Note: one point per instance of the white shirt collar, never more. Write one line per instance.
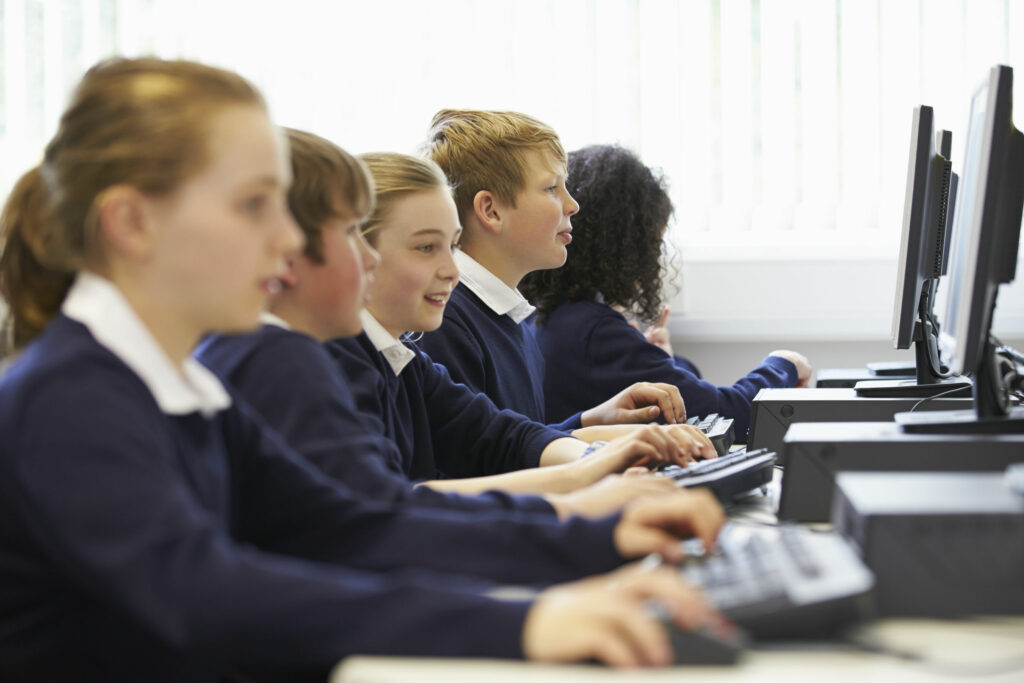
(268, 318)
(100, 306)
(498, 296)
(397, 354)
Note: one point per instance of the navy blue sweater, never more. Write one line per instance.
(591, 351)
(492, 354)
(443, 429)
(300, 391)
(141, 546)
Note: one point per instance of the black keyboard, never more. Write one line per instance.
(728, 476)
(717, 428)
(782, 581)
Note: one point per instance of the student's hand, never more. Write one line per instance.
(658, 333)
(609, 495)
(656, 524)
(695, 444)
(803, 366)
(646, 446)
(607, 618)
(641, 402)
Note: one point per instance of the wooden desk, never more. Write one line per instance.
(986, 650)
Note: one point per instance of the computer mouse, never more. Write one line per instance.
(721, 643)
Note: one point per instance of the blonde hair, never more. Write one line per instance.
(487, 150)
(326, 181)
(140, 122)
(396, 176)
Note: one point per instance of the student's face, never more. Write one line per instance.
(331, 294)
(538, 228)
(223, 235)
(417, 272)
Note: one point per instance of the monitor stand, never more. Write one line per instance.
(961, 422)
(950, 387)
(847, 378)
(995, 409)
(931, 377)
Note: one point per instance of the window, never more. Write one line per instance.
(778, 122)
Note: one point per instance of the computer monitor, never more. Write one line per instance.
(986, 237)
(926, 212)
(987, 234)
(927, 216)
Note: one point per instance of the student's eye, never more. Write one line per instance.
(425, 248)
(455, 247)
(254, 205)
(552, 189)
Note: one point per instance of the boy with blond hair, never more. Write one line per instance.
(508, 174)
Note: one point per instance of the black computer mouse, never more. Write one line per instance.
(721, 643)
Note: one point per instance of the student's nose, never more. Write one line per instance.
(570, 205)
(289, 237)
(448, 270)
(370, 256)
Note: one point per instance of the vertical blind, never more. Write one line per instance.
(785, 119)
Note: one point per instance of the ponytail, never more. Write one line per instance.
(142, 122)
(31, 285)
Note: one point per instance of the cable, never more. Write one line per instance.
(930, 398)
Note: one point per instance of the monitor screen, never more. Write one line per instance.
(929, 179)
(986, 228)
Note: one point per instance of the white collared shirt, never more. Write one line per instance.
(498, 296)
(397, 354)
(268, 318)
(99, 305)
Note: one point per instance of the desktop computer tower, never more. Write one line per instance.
(941, 544)
(774, 410)
(815, 451)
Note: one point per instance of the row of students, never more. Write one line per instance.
(151, 526)
(309, 367)
(510, 172)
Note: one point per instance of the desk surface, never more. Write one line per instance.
(987, 650)
(981, 650)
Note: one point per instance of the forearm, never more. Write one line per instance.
(562, 451)
(604, 432)
(555, 479)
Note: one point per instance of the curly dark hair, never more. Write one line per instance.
(618, 247)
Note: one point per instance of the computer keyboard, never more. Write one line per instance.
(717, 428)
(782, 581)
(728, 476)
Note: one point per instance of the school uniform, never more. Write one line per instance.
(302, 393)
(591, 350)
(484, 344)
(151, 529)
(443, 429)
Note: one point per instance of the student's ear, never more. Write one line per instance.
(488, 211)
(289, 278)
(126, 221)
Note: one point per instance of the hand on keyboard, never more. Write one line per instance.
(658, 524)
(783, 581)
(729, 476)
(609, 618)
(718, 429)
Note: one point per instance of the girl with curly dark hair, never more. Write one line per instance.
(617, 265)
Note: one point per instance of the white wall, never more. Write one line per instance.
(733, 310)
